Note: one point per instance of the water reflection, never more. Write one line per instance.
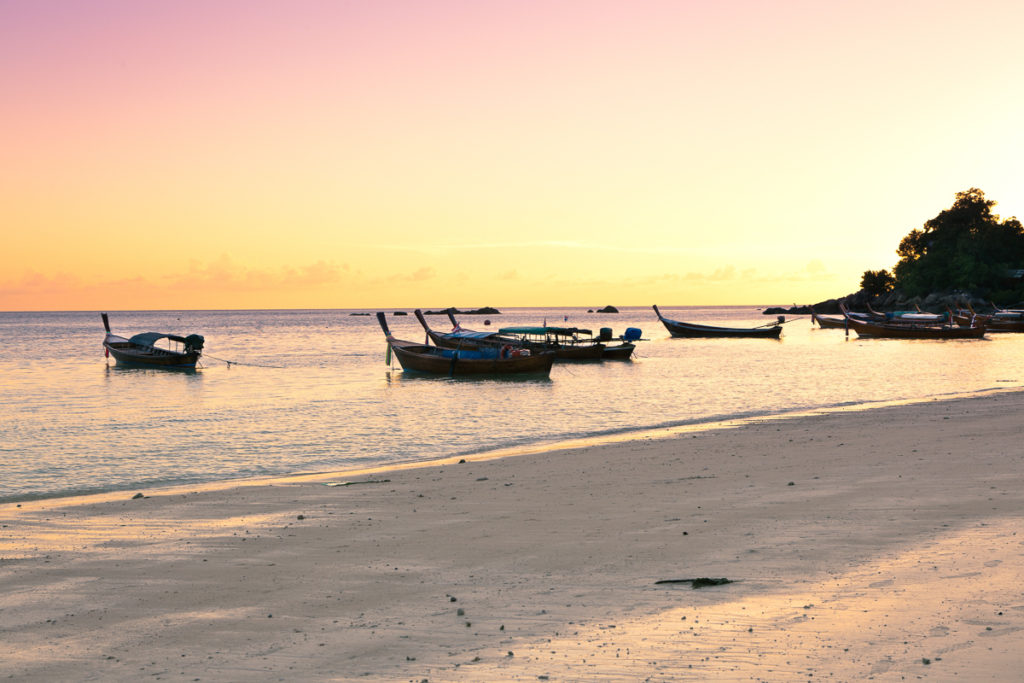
(142, 369)
(395, 376)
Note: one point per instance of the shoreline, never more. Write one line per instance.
(533, 448)
(860, 543)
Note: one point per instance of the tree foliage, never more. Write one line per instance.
(877, 282)
(965, 247)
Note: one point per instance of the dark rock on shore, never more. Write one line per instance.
(936, 302)
(486, 310)
(794, 310)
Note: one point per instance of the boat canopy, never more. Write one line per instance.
(148, 338)
(151, 338)
(553, 331)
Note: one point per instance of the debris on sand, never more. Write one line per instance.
(697, 583)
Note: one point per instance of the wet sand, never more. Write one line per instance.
(879, 544)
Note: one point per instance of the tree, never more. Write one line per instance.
(964, 247)
(877, 282)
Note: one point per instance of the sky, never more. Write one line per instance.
(248, 154)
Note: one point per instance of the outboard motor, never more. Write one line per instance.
(194, 342)
(632, 334)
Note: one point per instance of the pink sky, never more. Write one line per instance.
(529, 153)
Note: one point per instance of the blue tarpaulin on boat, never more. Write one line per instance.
(470, 355)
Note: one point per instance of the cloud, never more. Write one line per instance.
(728, 276)
(33, 283)
(419, 275)
(816, 267)
(222, 274)
(226, 275)
(438, 249)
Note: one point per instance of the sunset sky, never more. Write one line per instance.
(384, 153)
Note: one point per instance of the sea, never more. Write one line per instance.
(281, 392)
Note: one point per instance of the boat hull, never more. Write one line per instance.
(825, 322)
(128, 354)
(680, 329)
(461, 362)
(992, 324)
(575, 351)
(906, 331)
(618, 352)
(677, 328)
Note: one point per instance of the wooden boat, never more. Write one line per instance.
(1005, 313)
(904, 330)
(623, 351)
(995, 322)
(581, 347)
(828, 322)
(682, 329)
(435, 360)
(568, 343)
(917, 317)
(141, 350)
(460, 338)
(626, 346)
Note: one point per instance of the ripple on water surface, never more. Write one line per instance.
(309, 390)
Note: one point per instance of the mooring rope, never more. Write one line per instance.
(235, 362)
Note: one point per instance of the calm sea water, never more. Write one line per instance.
(310, 391)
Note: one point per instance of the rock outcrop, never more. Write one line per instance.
(891, 301)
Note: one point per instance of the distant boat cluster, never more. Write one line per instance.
(532, 350)
(959, 324)
(507, 351)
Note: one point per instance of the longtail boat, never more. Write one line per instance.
(905, 330)
(435, 360)
(678, 328)
(568, 343)
(917, 317)
(625, 349)
(1006, 313)
(460, 338)
(994, 322)
(827, 322)
(141, 350)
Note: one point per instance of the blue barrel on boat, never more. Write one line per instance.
(632, 334)
(605, 334)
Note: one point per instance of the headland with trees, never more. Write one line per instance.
(964, 255)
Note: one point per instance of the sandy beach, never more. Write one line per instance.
(868, 544)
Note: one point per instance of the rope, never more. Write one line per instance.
(235, 362)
